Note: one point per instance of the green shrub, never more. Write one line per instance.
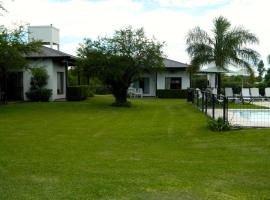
(261, 87)
(102, 89)
(88, 90)
(79, 92)
(37, 91)
(199, 82)
(219, 125)
(173, 93)
(40, 94)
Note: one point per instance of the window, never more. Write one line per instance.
(60, 82)
(173, 83)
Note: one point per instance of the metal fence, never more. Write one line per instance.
(239, 111)
(2, 98)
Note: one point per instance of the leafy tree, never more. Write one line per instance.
(121, 59)
(13, 48)
(261, 70)
(39, 80)
(267, 78)
(226, 46)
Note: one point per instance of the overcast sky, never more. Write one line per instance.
(167, 20)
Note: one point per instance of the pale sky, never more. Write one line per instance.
(166, 20)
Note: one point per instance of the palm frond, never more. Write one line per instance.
(197, 35)
(243, 36)
(249, 55)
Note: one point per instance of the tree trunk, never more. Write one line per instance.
(120, 95)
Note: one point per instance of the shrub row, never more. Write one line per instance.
(173, 93)
(79, 92)
(40, 94)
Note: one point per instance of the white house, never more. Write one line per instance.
(54, 61)
(175, 76)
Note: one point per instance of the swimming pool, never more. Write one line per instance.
(249, 117)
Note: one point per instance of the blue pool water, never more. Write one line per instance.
(253, 115)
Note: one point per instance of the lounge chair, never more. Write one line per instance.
(131, 92)
(254, 92)
(245, 94)
(138, 92)
(230, 96)
(198, 93)
(267, 92)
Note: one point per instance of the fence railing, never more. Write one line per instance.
(239, 111)
(2, 98)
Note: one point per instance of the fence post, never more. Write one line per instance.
(197, 98)
(213, 106)
(206, 103)
(202, 101)
(225, 109)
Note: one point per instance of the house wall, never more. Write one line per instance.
(58, 68)
(183, 74)
(152, 84)
(211, 78)
(52, 69)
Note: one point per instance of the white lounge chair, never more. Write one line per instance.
(254, 92)
(139, 92)
(131, 92)
(230, 96)
(245, 93)
(199, 93)
(267, 92)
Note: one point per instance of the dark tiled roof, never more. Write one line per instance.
(46, 52)
(174, 64)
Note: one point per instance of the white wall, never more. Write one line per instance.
(211, 80)
(52, 69)
(152, 84)
(58, 68)
(183, 74)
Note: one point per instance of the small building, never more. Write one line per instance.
(175, 76)
(54, 61)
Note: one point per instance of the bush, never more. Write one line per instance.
(39, 77)
(102, 89)
(261, 87)
(219, 125)
(173, 93)
(37, 91)
(79, 92)
(40, 94)
(199, 82)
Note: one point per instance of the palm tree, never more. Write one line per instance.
(224, 47)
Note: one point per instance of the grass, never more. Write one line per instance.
(157, 149)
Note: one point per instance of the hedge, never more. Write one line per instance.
(78, 93)
(173, 93)
(41, 94)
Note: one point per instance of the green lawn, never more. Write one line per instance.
(157, 149)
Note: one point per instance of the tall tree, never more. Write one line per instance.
(121, 59)
(13, 47)
(225, 46)
(261, 70)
